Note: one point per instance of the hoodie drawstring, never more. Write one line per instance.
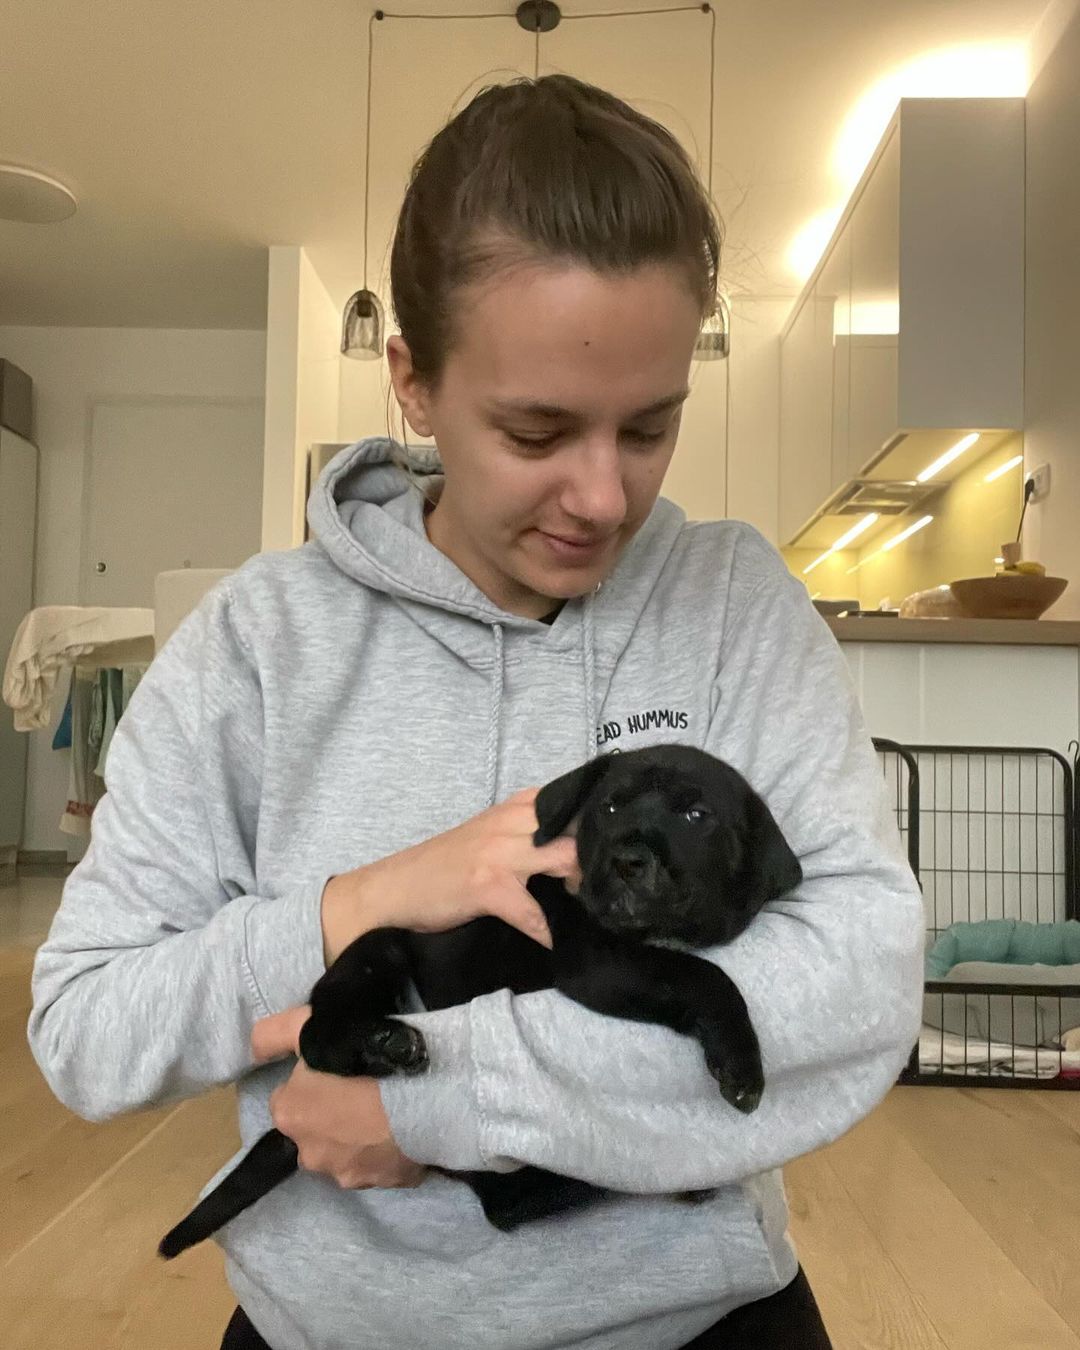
(498, 674)
(588, 666)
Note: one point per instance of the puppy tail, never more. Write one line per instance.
(269, 1161)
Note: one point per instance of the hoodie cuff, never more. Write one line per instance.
(283, 947)
(434, 1116)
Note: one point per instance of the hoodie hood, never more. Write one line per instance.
(369, 519)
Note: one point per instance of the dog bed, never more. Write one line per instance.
(1005, 951)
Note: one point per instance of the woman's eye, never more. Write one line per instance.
(533, 442)
(646, 437)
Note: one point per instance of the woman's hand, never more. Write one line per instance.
(479, 867)
(338, 1124)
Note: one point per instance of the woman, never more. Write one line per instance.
(352, 733)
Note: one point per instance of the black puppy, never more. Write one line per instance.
(673, 845)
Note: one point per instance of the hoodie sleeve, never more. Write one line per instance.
(160, 959)
(831, 974)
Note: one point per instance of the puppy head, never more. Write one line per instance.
(672, 843)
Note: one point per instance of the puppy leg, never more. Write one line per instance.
(615, 975)
(348, 1032)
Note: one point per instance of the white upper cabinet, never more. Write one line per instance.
(910, 331)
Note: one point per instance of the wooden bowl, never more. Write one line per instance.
(1008, 595)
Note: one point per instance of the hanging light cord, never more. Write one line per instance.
(375, 16)
(604, 14)
(712, 85)
(633, 13)
(600, 14)
(380, 14)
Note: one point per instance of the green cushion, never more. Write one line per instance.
(1007, 941)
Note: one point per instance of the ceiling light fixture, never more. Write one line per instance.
(362, 328)
(844, 540)
(1003, 468)
(714, 339)
(33, 198)
(947, 458)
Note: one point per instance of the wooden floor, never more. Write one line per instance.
(946, 1221)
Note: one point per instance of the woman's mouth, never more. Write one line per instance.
(573, 549)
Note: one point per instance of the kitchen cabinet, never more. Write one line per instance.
(805, 412)
(964, 693)
(833, 290)
(914, 315)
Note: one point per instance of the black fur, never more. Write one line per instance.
(673, 844)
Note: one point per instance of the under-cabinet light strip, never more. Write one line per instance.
(844, 540)
(947, 458)
(1004, 468)
(892, 543)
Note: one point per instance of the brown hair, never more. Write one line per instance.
(543, 168)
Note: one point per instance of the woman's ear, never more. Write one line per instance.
(559, 801)
(411, 391)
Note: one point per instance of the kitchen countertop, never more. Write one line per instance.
(1029, 632)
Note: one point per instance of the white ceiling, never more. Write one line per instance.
(196, 133)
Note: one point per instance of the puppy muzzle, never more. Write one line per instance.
(628, 890)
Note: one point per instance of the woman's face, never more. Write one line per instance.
(555, 418)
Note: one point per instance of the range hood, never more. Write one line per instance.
(888, 485)
(864, 495)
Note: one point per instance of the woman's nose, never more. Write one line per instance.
(597, 493)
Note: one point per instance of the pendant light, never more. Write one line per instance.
(714, 340)
(362, 330)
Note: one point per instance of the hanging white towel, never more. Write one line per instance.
(54, 637)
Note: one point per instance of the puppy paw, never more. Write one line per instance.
(374, 1048)
(735, 1063)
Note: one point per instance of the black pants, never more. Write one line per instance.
(788, 1320)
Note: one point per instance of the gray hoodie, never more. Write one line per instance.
(330, 705)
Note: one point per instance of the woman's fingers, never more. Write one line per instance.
(558, 859)
(515, 906)
(277, 1036)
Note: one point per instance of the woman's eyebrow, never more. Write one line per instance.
(525, 408)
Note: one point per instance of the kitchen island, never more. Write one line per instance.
(966, 681)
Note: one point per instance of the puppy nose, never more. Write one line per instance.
(629, 860)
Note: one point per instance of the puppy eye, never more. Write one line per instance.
(610, 808)
(697, 813)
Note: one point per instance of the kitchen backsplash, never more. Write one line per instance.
(972, 519)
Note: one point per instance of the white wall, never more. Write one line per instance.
(303, 370)
(1052, 318)
(71, 369)
(754, 414)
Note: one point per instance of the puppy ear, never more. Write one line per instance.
(559, 801)
(769, 868)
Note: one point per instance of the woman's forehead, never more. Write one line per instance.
(552, 335)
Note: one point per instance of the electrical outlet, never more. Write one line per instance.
(1040, 477)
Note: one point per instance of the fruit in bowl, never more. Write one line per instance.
(1010, 594)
